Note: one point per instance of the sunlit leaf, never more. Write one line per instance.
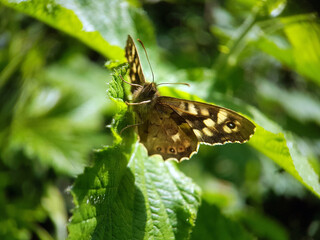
(102, 32)
(300, 49)
(282, 148)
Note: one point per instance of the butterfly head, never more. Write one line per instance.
(147, 91)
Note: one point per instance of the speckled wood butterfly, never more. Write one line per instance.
(172, 127)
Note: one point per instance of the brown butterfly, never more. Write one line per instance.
(172, 127)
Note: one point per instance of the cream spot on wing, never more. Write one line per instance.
(186, 143)
(207, 132)
(192, 109)
(204, 112)
(236, 122)
(181, 105)
(134, 67)
(226, 129)
(198, 133)
(222, 116)
(209, 123)
(176, 137)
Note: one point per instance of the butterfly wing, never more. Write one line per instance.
(166, 133)
(135, 73)
(211, 124)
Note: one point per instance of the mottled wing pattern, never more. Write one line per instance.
(166, 133)
(211, 124)
(174, 127)
(135, 72)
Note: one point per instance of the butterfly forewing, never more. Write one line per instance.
(211, 124)
(135, 71)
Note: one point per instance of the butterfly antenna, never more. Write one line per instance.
(187, 84)
(147, 58)
(131, 84)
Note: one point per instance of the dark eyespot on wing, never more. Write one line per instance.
(230, 125)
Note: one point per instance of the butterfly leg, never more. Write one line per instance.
(129, 126)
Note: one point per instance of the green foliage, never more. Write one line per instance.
(211, 224)
(68, 17)
(262, 226)
(299, 50)
(54, 109)
(51, 118)
(51, 121)
(128, 195)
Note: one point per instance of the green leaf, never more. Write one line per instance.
(89, 22)
(128, 195)
(147, 198)
(299, 49)
(282, 148)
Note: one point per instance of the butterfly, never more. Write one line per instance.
(173, 127)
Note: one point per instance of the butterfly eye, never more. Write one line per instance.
(231, 125)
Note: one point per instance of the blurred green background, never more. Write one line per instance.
(54, 110)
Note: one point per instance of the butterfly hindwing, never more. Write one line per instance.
(211, 124)
(166, 133)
